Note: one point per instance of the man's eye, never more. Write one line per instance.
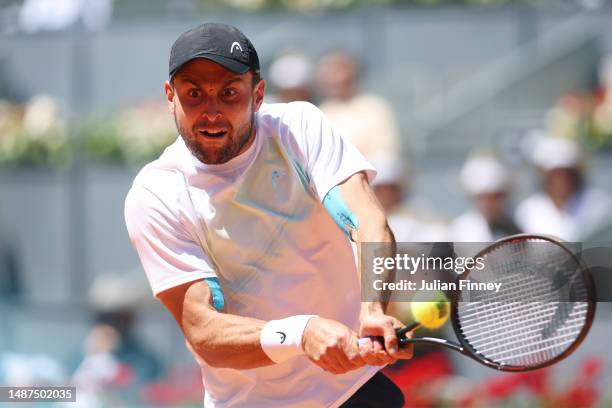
(229, 92)
(194, 93)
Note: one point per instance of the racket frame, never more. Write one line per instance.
(465, 348)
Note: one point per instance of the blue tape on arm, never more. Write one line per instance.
(215, 289)
(339, 211)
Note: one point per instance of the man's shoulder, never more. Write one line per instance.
(287, 112)
(165, 175)
(295, 124)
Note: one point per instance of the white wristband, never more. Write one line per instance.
(282, 339)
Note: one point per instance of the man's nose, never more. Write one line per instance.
(211, 110)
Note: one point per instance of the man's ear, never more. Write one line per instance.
(259, 94)
(169, 95)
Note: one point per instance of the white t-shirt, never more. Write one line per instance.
(587, 211)
(471, 226)
(257, 223)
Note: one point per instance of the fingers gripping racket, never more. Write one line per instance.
(542, 312)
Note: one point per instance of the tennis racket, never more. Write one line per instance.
(541, 314)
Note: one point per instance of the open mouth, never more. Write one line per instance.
(213, 133)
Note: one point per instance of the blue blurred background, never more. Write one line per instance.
(82, 109)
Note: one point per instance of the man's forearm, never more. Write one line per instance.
(384, 241)
(228, 341)
(373, 307)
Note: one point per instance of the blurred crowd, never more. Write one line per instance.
(116, 365)
(565, 204)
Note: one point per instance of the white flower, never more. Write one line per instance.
(42, 116)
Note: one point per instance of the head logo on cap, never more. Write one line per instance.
(237, 45)
(210, 41)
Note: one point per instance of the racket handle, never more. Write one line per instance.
(400, 333)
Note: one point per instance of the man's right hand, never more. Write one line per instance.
(331, 345)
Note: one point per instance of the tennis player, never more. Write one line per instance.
(237, 228)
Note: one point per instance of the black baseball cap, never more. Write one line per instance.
(221, 43)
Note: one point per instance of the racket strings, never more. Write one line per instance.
(528, 335)
(528, 339)
(528, 326)
(536, 314)
(525, 325)
(495, 309)
(500, 305)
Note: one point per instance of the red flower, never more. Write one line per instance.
(502, 386)
(124, 376)
(537, 381)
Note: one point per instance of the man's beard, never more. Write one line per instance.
(219, 155)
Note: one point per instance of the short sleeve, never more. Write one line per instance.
(331, 158)
(169, 256)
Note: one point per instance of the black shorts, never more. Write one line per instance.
(378, 392)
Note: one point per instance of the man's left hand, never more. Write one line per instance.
(376, 324)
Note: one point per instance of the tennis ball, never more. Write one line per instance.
(432, 313)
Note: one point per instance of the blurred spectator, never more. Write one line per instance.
(567, 207)
(407, 225)
(487, 182)
(366, 120)
(51, 15)
(114, 356)
(290, 76)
